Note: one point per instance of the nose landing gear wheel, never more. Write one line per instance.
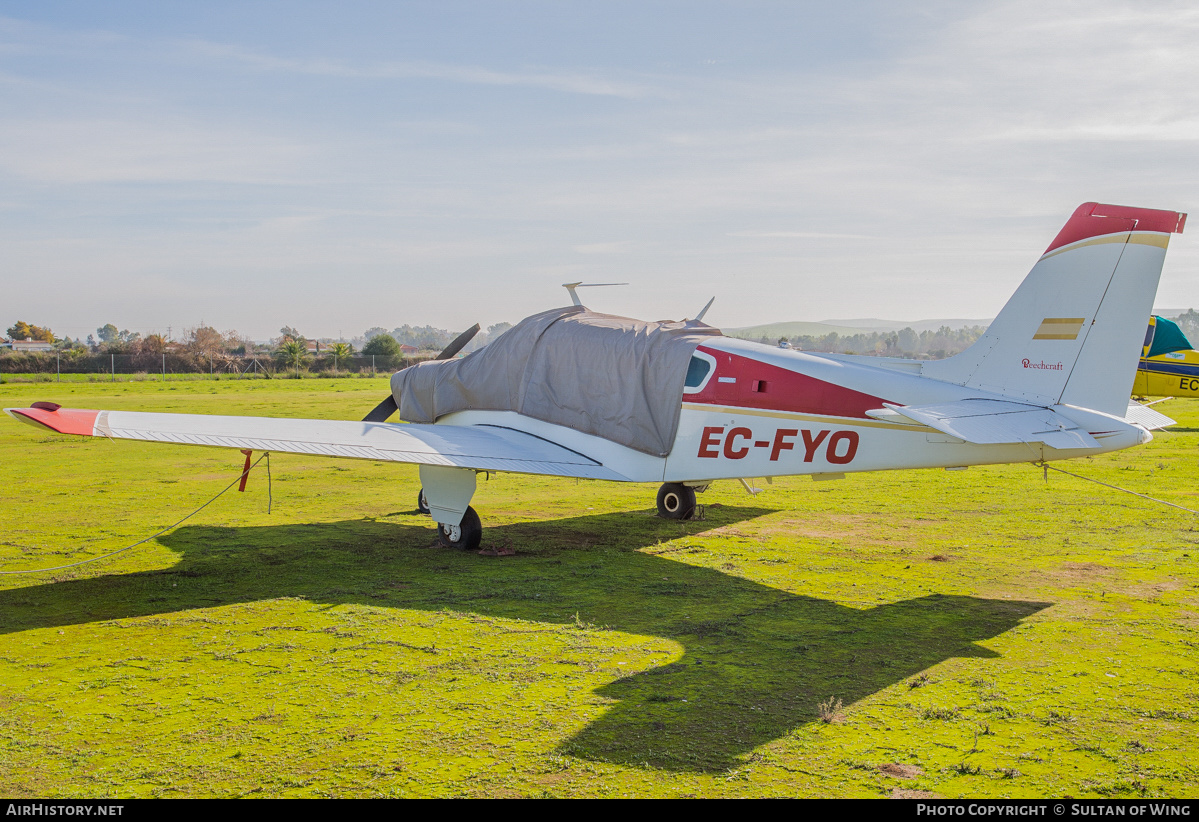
(422, 504)
(466, 536)
(676, 501)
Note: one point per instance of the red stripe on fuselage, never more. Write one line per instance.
(784, 390)
(64, 420)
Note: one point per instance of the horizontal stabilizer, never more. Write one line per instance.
(1146, 417)
(993, 422)
(481, 447)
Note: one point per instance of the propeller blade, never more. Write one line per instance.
(459, 342)
(383, 410)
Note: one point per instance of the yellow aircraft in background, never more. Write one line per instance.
(1169, 366)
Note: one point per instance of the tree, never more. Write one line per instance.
(340, 351)
(1188, 321)
(237, 343)
(154, 344)
(425, 337)
(383, 345)
(24, 331)
(292, 353)
(114, 340)
(66, 344)
(205, 341)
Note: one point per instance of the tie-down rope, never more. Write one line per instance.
(1047, 467)
(240, 478)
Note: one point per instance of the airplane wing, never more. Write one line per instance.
(481, 447)
(988, 422)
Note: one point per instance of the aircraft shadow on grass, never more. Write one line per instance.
(757, 661)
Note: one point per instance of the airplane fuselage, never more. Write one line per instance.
(760, 411)
(1168, 375)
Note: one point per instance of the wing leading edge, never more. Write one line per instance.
(481, 447)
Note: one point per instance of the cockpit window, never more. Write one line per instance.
(696, 371)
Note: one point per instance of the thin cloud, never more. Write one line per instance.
(619, 247)
(33, 39)
(569, 82)
(802, 235)
(148, 150)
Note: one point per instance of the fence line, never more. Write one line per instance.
(58, 363)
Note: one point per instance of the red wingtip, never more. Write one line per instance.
(1096, 219)
(63, 420)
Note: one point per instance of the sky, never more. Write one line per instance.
(339, 166)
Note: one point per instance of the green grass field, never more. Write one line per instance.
(985, 633)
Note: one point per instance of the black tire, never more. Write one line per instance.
(676, 501)
(421, 504)
(465, 536)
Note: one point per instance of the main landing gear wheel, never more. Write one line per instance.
(676, 501)
(422, 504)
(467, 535)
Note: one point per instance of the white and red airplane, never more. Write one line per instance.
(574, 393)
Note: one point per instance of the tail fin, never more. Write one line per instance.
(1072, 332)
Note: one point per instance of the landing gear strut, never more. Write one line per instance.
(676, 501)
(466, 535)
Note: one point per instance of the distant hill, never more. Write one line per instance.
(791, 329)
(843, 327)
(874, 324)
(869, 324)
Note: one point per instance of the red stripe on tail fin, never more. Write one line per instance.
(1096, 219)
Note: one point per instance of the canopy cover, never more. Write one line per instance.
(613, 377)
(1166, 337)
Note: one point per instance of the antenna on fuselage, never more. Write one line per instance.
(701, 314)
(574, 298)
